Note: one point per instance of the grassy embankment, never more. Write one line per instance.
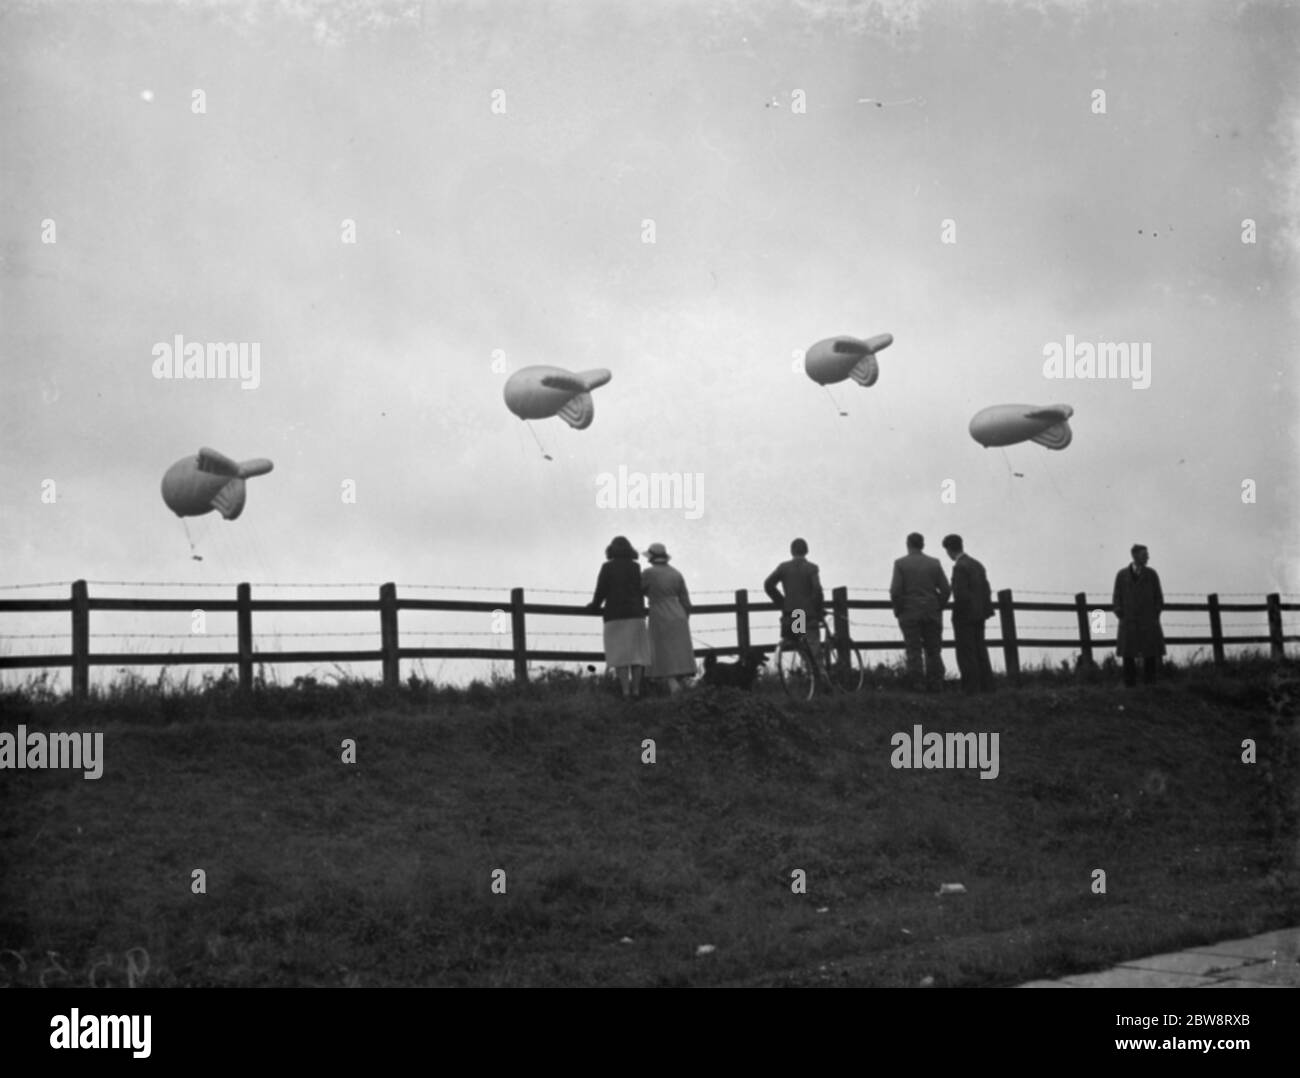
(320, 872)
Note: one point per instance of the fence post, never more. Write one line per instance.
(1010, 645)
(1274, 602)
(840, 615)
(1085, 630)
(80, 640)
(388, 635)
(1216, 628)
(518, 634)
(244, 630)
(742, 620)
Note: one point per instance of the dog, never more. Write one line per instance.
(739, 675)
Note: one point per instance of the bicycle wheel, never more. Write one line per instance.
(797, 676)
(848, 676)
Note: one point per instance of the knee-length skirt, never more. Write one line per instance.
(627, 643)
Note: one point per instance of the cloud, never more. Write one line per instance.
(1283, 173)
(896, 19)
(883, 18)
(332, 22)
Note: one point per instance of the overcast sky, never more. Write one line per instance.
(200, 161)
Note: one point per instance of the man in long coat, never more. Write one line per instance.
(1138, 601)
(972, 606)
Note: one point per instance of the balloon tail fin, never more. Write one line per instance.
(865, 371)
(578, 411)
(1057, 436)
(229, 500)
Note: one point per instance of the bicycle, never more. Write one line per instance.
(802, 673)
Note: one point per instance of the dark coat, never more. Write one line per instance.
(1138, 602)
(919, 588)
(618, 590)
(972, 598)
(796, 585)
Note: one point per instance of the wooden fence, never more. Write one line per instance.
(390, 653)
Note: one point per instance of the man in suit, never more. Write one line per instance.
(919, 592)
(1138, 601)
(972, 605)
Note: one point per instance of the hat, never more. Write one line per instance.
(658, 552)
(621, 547)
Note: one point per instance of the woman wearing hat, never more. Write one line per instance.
(670, 612)
(618, 598)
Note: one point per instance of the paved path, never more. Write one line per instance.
(1268, 961)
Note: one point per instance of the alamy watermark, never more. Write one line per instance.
(656, 490)
(77, 1030)
(195, 360)
(37, 751)
(951, 750)
(1106, 359)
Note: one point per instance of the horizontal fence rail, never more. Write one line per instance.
(390, 653)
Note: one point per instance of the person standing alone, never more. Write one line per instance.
(1138, 601)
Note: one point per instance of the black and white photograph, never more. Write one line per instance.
(659, 494)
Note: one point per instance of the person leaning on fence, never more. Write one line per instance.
(618, 599)
(671, 655)
(796, 587)
(1138, 601)
(972, 606)
(919, 592)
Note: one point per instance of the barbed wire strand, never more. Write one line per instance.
(550, 591)
(365, 634)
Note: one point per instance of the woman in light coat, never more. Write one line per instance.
(671, 656)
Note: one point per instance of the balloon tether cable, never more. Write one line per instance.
(194, 555)
(537, 440)
(834, 401)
